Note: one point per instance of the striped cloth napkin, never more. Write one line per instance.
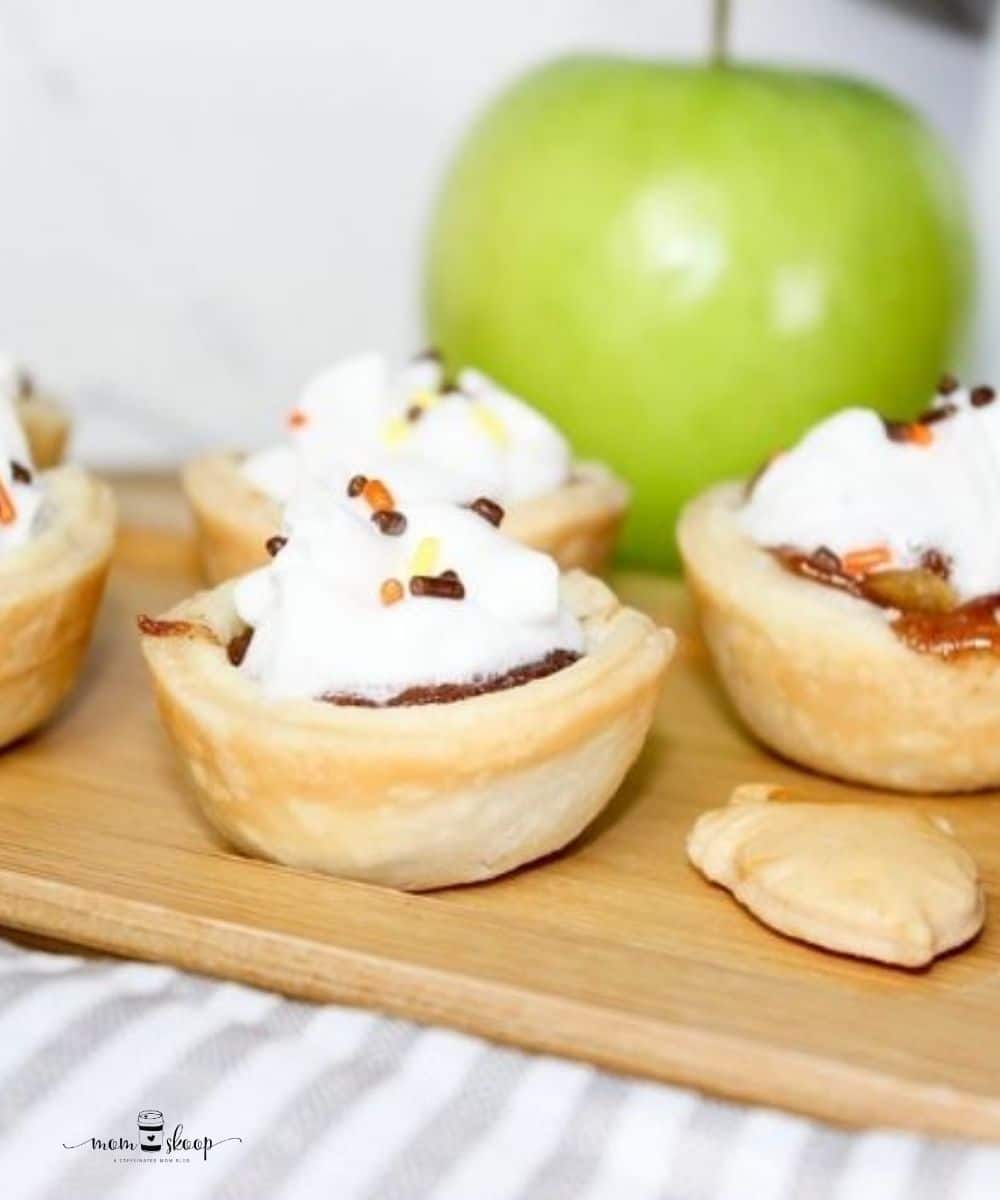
(244, 1095)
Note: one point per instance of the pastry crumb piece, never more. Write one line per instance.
(876, 881)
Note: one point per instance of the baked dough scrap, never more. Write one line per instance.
(887, 883)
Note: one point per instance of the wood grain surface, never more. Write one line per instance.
(615, 951)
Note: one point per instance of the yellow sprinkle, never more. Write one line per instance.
(425, 556)
(396, 430)
(425, 400)
(490, 424)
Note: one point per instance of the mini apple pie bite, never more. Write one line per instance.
(850, 594)
(43, 418)
(404, 695)
(436, 438)
(56, 538)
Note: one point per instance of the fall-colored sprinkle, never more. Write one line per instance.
(860, 562)
(425, 556)
(25, 385)
(395, 430)
(356, 485)
(19, 472)
(439, 587)
(979, 397)
(297, 419)
(425, 400)
(390, 522)
(414, 413)
(490, 424)
(936, 562)
(933, 415)
(378, 495)
(947, 384)
(238, 646)
(8, 513)
(911, 432)
(825, 561)
(274, 545)
(489, 510)
(391, 591)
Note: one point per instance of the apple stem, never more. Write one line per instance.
(721, 11)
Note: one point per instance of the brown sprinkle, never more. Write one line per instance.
(489, 510)
(389, 521)
(428, 354)
(356, 486)
(414, 413)
(378, 495)
(449, 574)
(941, 413)
(440, 587)
(391, 591)
(25, 385)
(19, 472)
(274, 545)
(979, 397)
(238, 646)
(947, 384)
(936, 562)
(824, 559)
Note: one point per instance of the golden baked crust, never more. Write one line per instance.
(412, 797)
(50, 589)
(577, 524)
(46, 426)
(880, 882)
(821, 677)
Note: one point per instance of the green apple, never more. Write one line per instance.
(687, 266)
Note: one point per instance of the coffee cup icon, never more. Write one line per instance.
(151, 1130)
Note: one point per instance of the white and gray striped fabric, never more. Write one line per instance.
(337, 1103)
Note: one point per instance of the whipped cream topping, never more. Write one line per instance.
(432, 440)
(335, 612)
(856, 483)
(21, 495)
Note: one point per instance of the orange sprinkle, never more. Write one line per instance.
(920, 435)
(391, 591)
(378, 496)
(297, 418)
(8, 513)
(861, 562)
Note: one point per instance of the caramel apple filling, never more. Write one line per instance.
(927, 614)
(448, 693)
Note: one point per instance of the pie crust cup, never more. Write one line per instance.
(820, 676)
(46, 426)
(577, 524)
(413, 797)
(50, 590)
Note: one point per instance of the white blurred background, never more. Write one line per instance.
(205, 200)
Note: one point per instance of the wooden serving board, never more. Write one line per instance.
(615, 951)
